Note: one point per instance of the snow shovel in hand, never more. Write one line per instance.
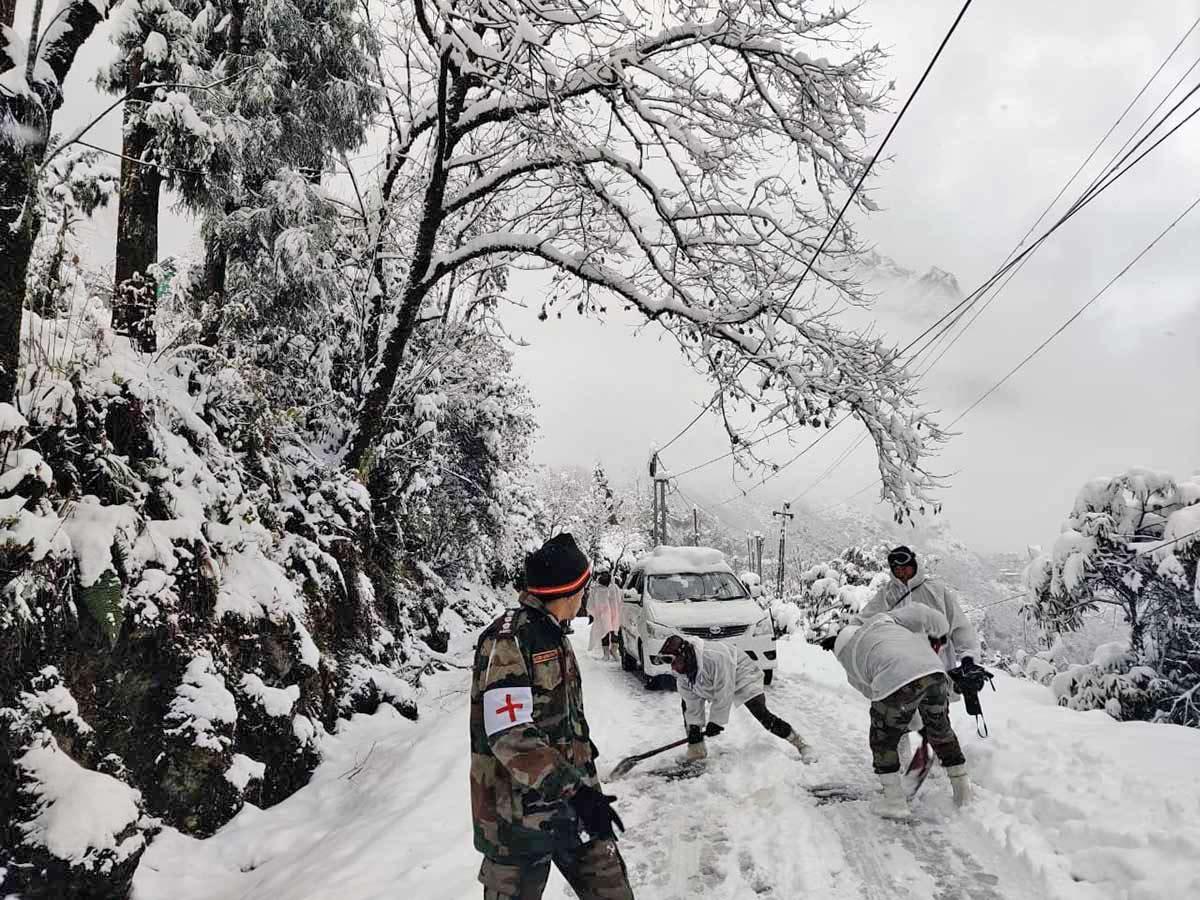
(625, 765)
(918, 769)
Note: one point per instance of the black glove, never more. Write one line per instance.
(712, 729)
(595, 812)
(695, 734)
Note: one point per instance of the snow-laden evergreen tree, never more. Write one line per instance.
(837, 587)
(1130, 542)
(160, 61)
(683, 162)
(76, 183)
(33, 70)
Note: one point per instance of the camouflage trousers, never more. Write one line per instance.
(930, 696)
(594, 871)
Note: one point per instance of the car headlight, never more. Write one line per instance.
(764, 627)
(654, 630)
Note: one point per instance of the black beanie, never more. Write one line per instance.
(901, 556)
(558, 569)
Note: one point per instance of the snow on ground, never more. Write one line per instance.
(1070, 806)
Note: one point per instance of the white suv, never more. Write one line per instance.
(690, 591)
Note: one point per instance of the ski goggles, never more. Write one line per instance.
(898, 558)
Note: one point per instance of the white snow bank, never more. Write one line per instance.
(254, 586)
(1071, 806)
(274, 701)
(243, 770)
(55, 700)
(94, 527)
(666, 560)
(1098, 808)
(80, 811)
(356, 831)
(202, 704)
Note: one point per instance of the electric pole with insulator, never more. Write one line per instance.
(658, 509)
(784, 514)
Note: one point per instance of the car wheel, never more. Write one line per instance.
(768, 676)
(628, 663)
(647, 680)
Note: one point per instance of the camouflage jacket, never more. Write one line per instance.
(530, 745)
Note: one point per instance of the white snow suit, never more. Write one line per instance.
(725, 677)
(604, 606)
(896, 595)
(890, 650)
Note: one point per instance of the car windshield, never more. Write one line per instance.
(695, 586)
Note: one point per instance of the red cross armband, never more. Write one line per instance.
(505, 707)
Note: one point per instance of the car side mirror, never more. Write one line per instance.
(631, 595)
(756, 591)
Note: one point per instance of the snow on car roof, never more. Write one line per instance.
(664, 560)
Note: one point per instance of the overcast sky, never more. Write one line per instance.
(1021, 95)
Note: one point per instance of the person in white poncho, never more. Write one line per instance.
(718, 676)
(893, 661)
(604, 606)
(908, 587)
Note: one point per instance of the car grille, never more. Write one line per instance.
(715, 632)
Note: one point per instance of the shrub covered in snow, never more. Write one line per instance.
(192, 597)
(843, 584)
(1131, 542)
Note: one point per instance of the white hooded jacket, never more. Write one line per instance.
(896, 595)
(891, 650)
(725, 677)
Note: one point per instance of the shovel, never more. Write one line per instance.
(625, 765)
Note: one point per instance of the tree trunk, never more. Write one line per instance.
(1136, 628)
(372, 413)
(211, 288)
(15, 250)
(21, 152)
(137, 227)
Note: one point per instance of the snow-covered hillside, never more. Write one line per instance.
(1069, 806)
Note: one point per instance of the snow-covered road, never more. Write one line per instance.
(1071, 806)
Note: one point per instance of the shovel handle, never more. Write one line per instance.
(630, 761)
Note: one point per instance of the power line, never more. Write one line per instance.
(1107, 167)
(705, 408)
(1160, 545)
(845, 206)
(1111, 176)
(1079, 312)
(1113, 127)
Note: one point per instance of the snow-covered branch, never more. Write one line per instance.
(685, 167)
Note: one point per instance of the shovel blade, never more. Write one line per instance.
(623, 767)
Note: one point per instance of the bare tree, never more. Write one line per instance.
(683, 161)
(31, 77)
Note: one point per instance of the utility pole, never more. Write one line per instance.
(759, 540)
(784, 514)
(695, 526)
(658, 510)
(654, 500)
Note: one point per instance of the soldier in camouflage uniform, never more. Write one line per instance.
(535, 797)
